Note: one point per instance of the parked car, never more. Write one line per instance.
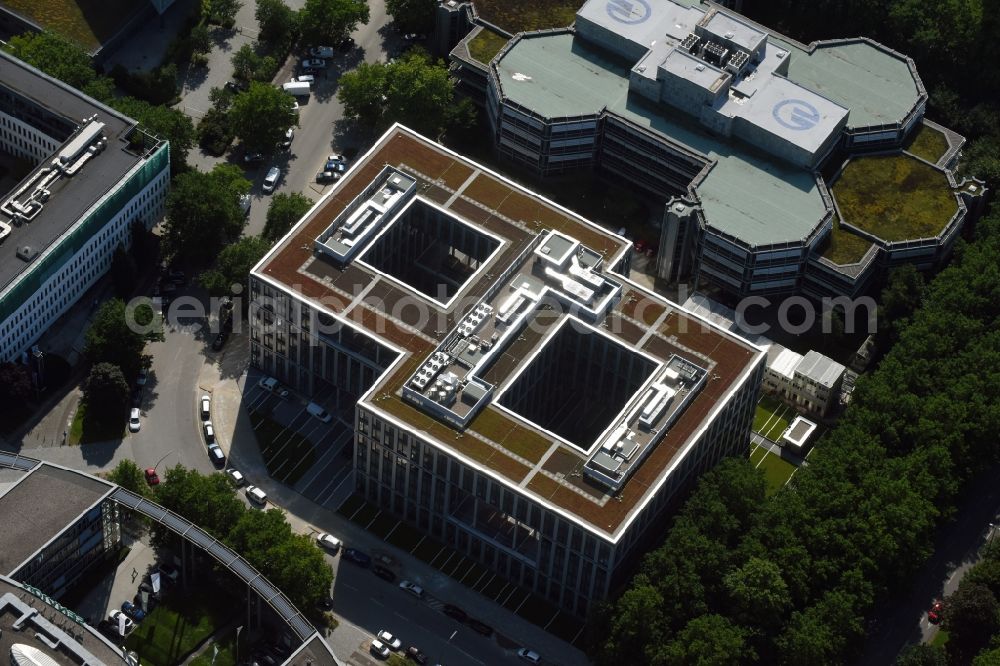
(147, 587)
(209, 431)
(256, 495)
(271, 180)
(329, 542)
(133, 611)
(245, 202)
(414, 653)
(206, 408)
(321, 51)
(234, 87)
(384, 573)
(271, 384)
(379, 649)
(412, 588)
(356, 556)
(151, 477)
(169, 571)
(306, 78)
(177, 277)
(480, 627)
(216, 455)
(133, 420)
(287, 141)
(335, 163)
(414, 36)
(327, 177)
(313, 63)
(136, 396)
(391, 642)
(236, 476)
(529, 656)
(345, 44)
(935, 614)
(319, 412)
(220, 340)
(143, 377)
(116, 623)
(455, 613)
(253, 158)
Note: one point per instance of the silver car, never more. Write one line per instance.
(271, 179)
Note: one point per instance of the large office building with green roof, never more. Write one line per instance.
(76, 176)
(741, 131)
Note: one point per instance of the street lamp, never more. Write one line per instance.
(238, 630)
(163, 458)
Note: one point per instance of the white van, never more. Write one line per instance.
(297, 88)
(256, 495)
(271, 384)
(319, 412)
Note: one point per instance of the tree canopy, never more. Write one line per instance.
(413, 90)
(128, 475)
(106, 393)
(413, 15)
(261, 115)
(329, 21)
(204, 213)
(118, 335)
(279, 24)
(164, 122)
(285, 210)
(15, 382)
(233, 265)
(62, 59)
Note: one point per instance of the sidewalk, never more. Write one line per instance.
(236, 437)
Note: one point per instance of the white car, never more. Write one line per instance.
(206, 408)
(529, 656)
(389, 640)
(133, 420)
(256, 495)
(306, 78)
(379, 649)
(129, 624)
(236, 476)
(209, 433)
(329, 542)
(289, 135)
(271, 180)
(412, 588)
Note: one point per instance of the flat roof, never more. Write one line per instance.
(758, 199)
(821, 369)
(71, 196)
(502, 443)
(39, 507)
(76, 642)
(876, 84)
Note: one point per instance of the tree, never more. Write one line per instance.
(985, 658)
(15, 383)
(143, 248)
(758, 592)
(128, 475)
(821, 633)
(257, 534)
(285, 210)
(201, 39)
(299, 569)
(62, 59)
(123, 272)
(413, 90)
(279, 24)
(249, 65)
(922, 655)
(206, 500)
(328, 21)
(221, 12)
(900, 298)
(214, 131)
(708, 640)
(118, 335)
(234, 264)
(971, 618)
(204, 213)
(106, 394)
(261, 115)
(164, 122)
(413, 15)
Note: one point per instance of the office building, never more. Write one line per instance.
(742, 132)
(514, 394)
(90, 174)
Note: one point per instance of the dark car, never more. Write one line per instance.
(356, 556)
(133, 611)
(220, 340)
(345, 44)
(137, 396)
(480, 627)
(177, 277)
(456, 613)
(414, 653)
(327, 177)
(147, 587)
(326, 603)
(384, 573)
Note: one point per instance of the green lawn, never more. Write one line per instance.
(485, 45)
(940, 638)
(928, 143)
(178, 625)
(765, 421)
(776, 472)
(85, 431)
(894, 197)
(227, 651)
(287, 454)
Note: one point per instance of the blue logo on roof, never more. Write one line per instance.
(630, 12)
(796, 114)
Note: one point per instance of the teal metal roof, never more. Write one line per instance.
(759, 200)
(877, 86)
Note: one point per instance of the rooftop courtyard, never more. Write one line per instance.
(525, 15)
(894, 197)
(89, 23)
(484, 46)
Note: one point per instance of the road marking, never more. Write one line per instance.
(418, 544)
(377, 602)
(453, 634)
(386, 537)
(400, 615)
